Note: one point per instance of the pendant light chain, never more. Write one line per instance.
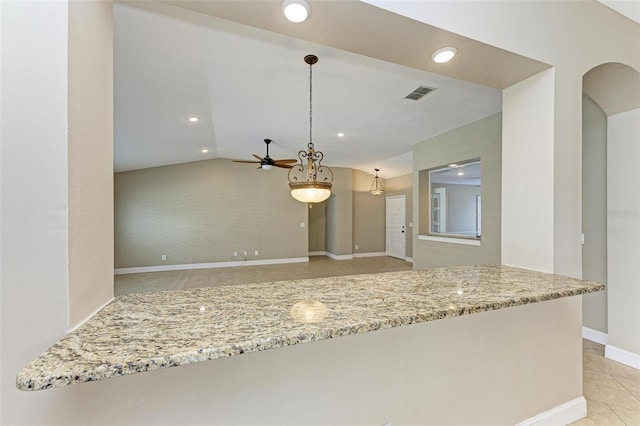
(310, 145)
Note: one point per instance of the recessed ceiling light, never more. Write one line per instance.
(452, 165)
(340, 135)
(205, 150)
(194, 119)
(444, 55)
(461, 174)
(295, 10)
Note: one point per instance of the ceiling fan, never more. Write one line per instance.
(267, 162)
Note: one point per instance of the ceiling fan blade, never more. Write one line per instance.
(259, 158)
(246, 161)
(283, 166)
(288, 160)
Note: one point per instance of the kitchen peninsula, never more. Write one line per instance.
(460, 345)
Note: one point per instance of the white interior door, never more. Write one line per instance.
(396, 232)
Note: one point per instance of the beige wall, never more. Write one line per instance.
(317, 227)
(403, 185)
(623, 231)
(368, 216)
(339, 213)
(594, 206)
(461, 207)
(481, 139)
(90, 150)
(524, 28)
(203, 211)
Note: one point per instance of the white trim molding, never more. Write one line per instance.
(622, 356)
(161, 268)
(409, 259)
(463, 241)
(339, 256)
(372, 254)
(595, 335)
(564, 414)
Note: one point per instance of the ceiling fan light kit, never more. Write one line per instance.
(267, 163)
(377, 188)
(309, 180)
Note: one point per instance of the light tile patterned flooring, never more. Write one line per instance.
(612, 389)
(318, 266)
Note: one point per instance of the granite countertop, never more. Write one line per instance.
(148, 331)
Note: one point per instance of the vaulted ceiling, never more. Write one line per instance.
(238, 67)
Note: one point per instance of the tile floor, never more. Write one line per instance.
(318, 266)
(612, 390)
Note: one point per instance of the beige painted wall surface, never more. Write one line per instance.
(461, 207)
(481, 139)
(594, 206)
(368, 216)
(317, 227)
(203, 211)
(339, 213)
(551, 32)
(623, 230)
(403, 185)
(527, 173)
(90, 150)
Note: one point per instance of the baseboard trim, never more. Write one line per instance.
(372, 254)
(409, 259)
(561, 415)
(339, 256)
(622, 356)
(595, 335)
(162, 268)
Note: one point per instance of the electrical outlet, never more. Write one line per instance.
(356, 247)
(245, 252)
(582, 238)
(235, 253)
(302, 225)
(410, 224)
(256, 252)
(164, 257)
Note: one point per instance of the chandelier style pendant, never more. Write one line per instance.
(376, 186)
(309, 180)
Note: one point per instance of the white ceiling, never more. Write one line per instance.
(248, 84)
(628, 8)
(471, 174)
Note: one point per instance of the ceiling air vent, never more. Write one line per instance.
(419, 92)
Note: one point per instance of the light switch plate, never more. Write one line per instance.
(302, 225)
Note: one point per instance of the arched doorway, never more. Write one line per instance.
(611, 208)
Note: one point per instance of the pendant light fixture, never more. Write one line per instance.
(309, 180)
(376, 186)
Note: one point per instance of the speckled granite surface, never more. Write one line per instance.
(148, 331)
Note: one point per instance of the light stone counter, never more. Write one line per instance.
(148, 331)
